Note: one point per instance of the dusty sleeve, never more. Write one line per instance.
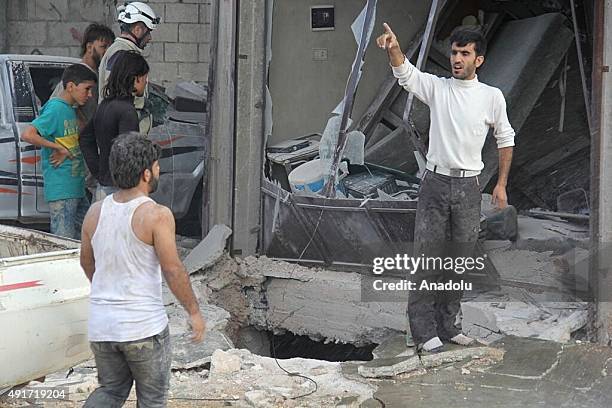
(504, 133)
(421, 84)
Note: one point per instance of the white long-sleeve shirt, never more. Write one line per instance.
(461, 113)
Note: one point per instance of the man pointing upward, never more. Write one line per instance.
(462, 110)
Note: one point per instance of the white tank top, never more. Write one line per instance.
(126, 297)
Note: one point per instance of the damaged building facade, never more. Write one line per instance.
(284, 269)
(291, 75)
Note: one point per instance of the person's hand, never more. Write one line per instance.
(59, 155)
(387, 40)
(198, 327)
(500, 198)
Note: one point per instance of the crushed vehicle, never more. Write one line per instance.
(26, 83)
(44, 302)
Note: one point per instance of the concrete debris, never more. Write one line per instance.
(224, 363)
(260, 382)
(549, 235)
(390, 367)
(295, 297)
(490, 321)
(186, 354)
(209, 250)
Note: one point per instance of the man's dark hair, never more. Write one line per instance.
(78, 73)
(126, 66)
(94, 32)
(130, 155)
(126, 28)
(464, 35)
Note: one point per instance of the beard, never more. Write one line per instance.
(153, 184)
(466, 72)
(96, 57)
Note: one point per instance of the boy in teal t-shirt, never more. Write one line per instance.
(56, 130)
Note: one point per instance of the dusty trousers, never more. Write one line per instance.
(446, 226)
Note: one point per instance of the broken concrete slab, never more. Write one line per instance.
(185, 353)
(460, 354)
(271, 384)
(532, 373)
(390, 367)
(295, 297)
(209, 250)
(537, 234)
(489, 321)
(224, 363)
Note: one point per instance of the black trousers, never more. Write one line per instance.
(447, 225)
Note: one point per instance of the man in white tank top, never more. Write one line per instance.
(127, 242)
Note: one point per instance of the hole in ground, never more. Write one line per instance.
(289, 345)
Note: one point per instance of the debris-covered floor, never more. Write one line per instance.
(536, 353)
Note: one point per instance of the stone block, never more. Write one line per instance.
(22, 33)
(56, 10)
(63, 51)
(163, 71)
(166, 32)
(17, 10)
(88, 10)
(194, 33)
(154, 52)
(205, 13)
(224, 363)
(180, 52)
(195, 72)
(65, 34)
(204, 52)
(210, 249)
(182, 13)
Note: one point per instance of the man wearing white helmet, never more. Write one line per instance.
(136, 21)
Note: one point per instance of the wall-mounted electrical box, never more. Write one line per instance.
(322, 18)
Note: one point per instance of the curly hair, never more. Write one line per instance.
(126, 66)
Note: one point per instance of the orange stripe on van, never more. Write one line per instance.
(168, 141)
(11, 191)
(28, 160)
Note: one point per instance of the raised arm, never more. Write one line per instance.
(409, 77)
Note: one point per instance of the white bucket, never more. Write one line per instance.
(307, 177)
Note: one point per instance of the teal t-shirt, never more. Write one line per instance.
(58, 123)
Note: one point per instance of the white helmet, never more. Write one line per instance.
(137, 11)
